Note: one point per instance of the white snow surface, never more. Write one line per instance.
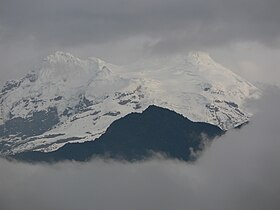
(194, 85)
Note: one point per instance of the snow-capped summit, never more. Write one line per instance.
(59, 57)
(68, 99)
(199, 56)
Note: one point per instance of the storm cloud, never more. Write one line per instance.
(238, 171)
(121, 30)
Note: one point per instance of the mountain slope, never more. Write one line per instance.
(76, 100)
(136, 137)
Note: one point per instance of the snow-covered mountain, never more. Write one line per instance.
(67, 99)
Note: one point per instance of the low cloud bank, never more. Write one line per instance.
(241, 170)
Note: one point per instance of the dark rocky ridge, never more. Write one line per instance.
(137, 137)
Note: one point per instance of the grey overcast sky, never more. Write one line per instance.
(242, 34)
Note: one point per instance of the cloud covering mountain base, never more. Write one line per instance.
(238, 171)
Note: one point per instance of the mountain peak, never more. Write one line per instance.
(200, 57)
(67, 59)
(84, 97)
(60, 56)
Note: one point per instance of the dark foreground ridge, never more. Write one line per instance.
(137, 136)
